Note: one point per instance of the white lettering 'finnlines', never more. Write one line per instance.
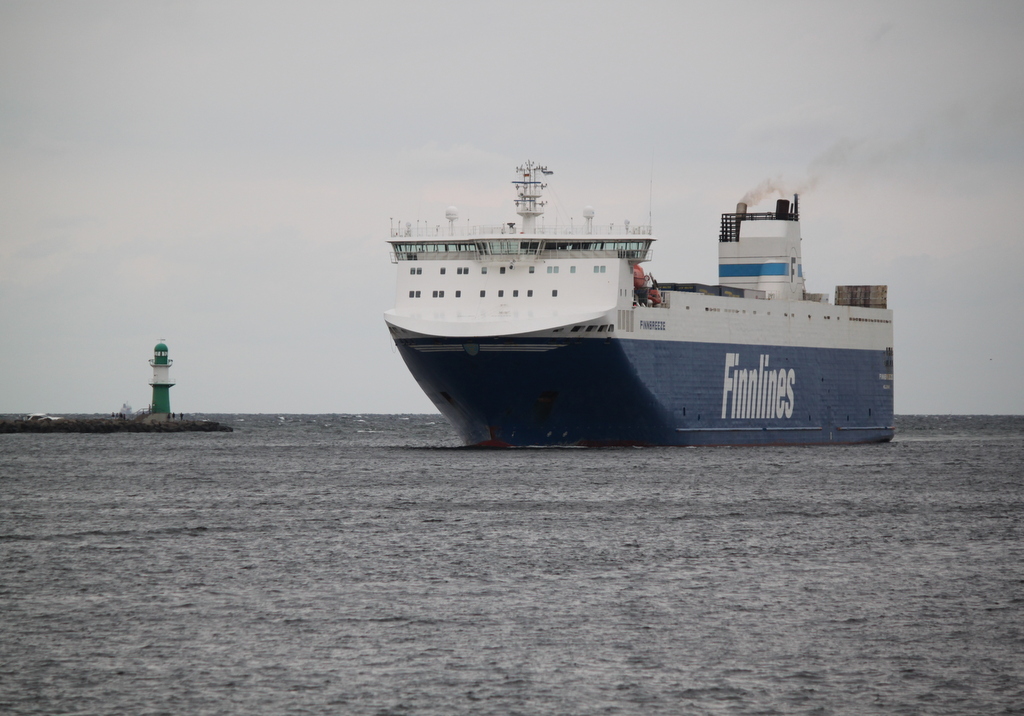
(758, 393)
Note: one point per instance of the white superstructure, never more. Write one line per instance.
(496, 280)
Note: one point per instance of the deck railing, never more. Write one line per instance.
(439, 231)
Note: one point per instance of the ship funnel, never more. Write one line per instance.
(741, 208)
(782, 209)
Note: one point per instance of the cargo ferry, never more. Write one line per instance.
(524, 334)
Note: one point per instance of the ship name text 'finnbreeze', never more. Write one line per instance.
(757, 393)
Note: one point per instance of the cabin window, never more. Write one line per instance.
(600, 329)
(501, 294)
(554, 292)
(576, 329)
(458, 294)
(412, 294)
(552, 269)
(416, 271)
(483, 269)
(515, 293)
(442, 270)
(529, 293)
(483, 293)
(501, 270)
(590, 328)
(572, 269)
(531, 269)
(599, 269)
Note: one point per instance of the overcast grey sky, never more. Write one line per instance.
(222, 175)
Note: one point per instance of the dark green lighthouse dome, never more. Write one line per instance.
(160, 354)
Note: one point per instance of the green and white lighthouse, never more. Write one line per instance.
(161, 381)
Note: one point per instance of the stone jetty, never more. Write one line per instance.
(111, 425)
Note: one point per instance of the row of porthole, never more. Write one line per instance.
(793, 315)
(464, 270)
(483, 294)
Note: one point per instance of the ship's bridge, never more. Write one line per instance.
(635, 247)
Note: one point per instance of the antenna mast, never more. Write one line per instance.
(650, 200)
(528, 192)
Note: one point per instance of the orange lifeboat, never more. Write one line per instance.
(639, 280)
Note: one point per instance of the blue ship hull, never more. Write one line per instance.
(609, 391)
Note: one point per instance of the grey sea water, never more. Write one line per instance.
(337, 564)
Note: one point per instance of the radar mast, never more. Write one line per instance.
(529, 185)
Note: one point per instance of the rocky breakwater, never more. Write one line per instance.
(111, 425)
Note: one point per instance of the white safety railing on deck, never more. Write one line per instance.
(439, 231)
